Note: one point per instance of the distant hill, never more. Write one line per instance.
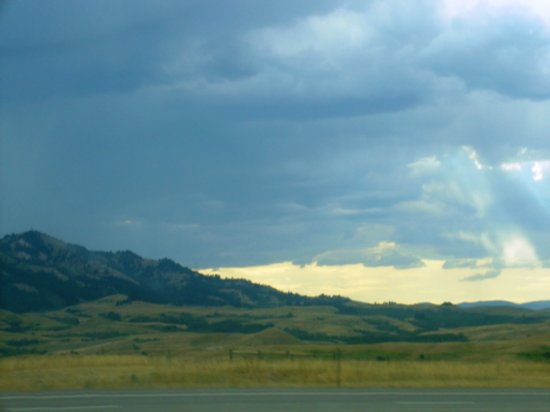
(57, 297)
(538, 305)
(39, 272)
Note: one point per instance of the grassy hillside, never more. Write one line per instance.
(114, 325)
(113, 342)
(73, 318)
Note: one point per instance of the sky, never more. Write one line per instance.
(382, 150)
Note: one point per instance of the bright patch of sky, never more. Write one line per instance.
(535, 9)
(361, 143)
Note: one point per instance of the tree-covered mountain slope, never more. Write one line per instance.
(39, 272)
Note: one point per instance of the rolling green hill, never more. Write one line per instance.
(115, 325)
(59, 298)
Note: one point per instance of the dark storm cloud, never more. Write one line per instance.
(232, 133)
(79, 47)
(507, 56)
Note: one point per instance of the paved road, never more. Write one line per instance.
(308, 400)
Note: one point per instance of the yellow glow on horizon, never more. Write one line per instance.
(430, 283)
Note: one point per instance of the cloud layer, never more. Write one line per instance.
(380, 133)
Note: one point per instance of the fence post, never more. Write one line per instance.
(338, 356)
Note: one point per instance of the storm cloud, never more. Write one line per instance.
(384, 133)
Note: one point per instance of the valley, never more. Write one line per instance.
(175, 327)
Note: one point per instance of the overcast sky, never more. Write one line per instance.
(386, 150)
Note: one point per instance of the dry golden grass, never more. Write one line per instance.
(111, 371)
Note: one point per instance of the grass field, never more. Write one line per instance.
(110, 343)
(130, 371)
(139, 328)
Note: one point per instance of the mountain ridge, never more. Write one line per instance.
(40, 272)
(534, 305)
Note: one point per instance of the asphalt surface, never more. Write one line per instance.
(264, 400)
